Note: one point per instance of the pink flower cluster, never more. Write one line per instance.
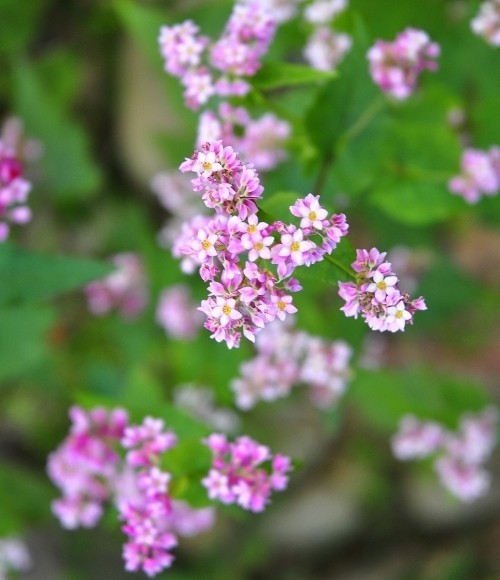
(459, 464)
(14, 190)
(288, 357)
(177, 314)
(86, 463)
(236, 54)
(395, 66)
(376, 295)
(258, 140)
(237, 475)
(89, 470)
(480, 174)
(325, 48)
(242, 295)
(487, 22)
(125, 289)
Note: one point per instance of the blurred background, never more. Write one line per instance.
(101, 118)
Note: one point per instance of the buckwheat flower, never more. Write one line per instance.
(466, 482)
(238, 476)
(225, 310)
(125, 289)
(14, 556)
(146, 442)
(395, 66)
(487, 22)
(479, 175)
(416, 439)
(324, 11)
(310, 211)
(176, 313)
(326, 49)
(294, 246)
(199, 87)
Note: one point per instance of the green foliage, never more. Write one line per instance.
(18, 23)
(385, 396)
(33, 276)
(279, 75)
(69, 171)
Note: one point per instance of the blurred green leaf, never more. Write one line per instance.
(26, 499)
(69, 171)
(18, 23)
(383, 397)
(34, 276)
(23, 338)
(276, 75)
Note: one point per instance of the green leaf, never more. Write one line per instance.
(343, 102)
(69, 171)
(278, 205)
(23, 339)
(278, 75)
(26, 499)
(18, 23)
(335, 267)
(383, 397)
(32, 276)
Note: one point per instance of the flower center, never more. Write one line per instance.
(207, 166)
(281, 305)
(313, 216)
(226, 310)
(295, 247)
(399, 314)
(252, 229)
(258, 246)
(382, 285)
(205, 244)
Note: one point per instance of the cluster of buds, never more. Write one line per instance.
(258, 140)
(395, 66)
(14, 190)
(480, 174)
(325, 48)
(125, 289)
(236, 54)
(487, 22)
(376, 295)
(461, 455)
(288, 357)
(243, 296)
(237, 475)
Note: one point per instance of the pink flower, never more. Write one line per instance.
(226, 310)
(480, 175)
(487, 22)
(416, 439)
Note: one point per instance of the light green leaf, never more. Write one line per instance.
(278, 75)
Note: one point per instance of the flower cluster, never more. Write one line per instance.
(89, 470)
(125, 289)
(258, 140)
(459, 464)
(480, 174)
(487, 22)
(236, 54)
(244, 297)
(14, 556)
(237, 475)
(395, 66)
(14, 189)
(376, 295)
(325, 48)
(288, 357)
(177, 314)
(85, 464)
